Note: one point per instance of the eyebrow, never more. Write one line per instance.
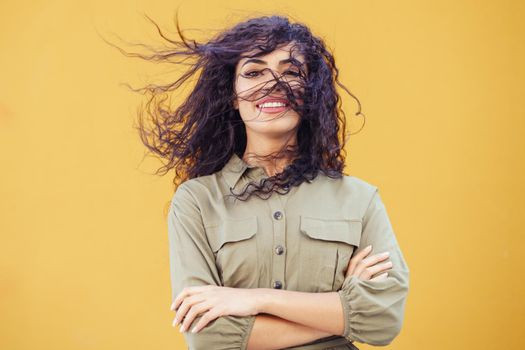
(259, 61)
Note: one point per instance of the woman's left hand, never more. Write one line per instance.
(213, 301)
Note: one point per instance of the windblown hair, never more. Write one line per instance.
(204, 131)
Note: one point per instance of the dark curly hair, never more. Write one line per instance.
(204, 131)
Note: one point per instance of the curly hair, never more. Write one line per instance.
(203, 132)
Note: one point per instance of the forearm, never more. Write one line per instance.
(322, 311)
(271, 332)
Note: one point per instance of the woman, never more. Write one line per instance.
(271, 246)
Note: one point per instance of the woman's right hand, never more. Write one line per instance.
(365, 267)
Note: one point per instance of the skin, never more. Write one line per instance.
(267, 133)
(284, 318)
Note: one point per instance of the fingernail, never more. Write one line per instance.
(386, 254)
(181, 329)
(194, 329)
(368, 247)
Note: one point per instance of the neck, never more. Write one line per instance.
(272, 154)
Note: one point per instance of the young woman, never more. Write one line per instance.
(271, 245)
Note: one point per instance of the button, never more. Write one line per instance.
(278, 215)
(277, 285)
(279, 249)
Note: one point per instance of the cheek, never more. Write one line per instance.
(247, 110)
(245, 98)
(247, 89)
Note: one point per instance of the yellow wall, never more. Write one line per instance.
(83, 253)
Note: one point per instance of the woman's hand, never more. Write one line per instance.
(365, 268)
(213, 301)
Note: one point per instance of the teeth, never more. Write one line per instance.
(272, 104)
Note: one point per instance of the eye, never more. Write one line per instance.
(252, 74)
(293, 73)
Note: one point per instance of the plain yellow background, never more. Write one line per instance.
(84, 257)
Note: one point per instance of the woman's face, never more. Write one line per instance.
(260, 87)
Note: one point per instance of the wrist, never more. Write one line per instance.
(263, 299)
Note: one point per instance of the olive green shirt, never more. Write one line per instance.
(300, 241)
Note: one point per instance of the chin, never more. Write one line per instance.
(274, 128)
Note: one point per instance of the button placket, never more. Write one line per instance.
(279, 241)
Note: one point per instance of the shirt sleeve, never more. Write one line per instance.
(374, 310)
(192, 263)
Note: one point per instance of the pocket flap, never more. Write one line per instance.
(328, 229)
(231, 230)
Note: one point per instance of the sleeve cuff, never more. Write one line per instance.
(373, 310)
(225, 332)
(247, 331)
(345, 302)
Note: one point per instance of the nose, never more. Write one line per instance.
(276, 85)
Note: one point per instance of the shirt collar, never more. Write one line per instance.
(235, 169)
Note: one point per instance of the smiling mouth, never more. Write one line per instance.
(273, 108)
(268, 105)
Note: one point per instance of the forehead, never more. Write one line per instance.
(280, 53)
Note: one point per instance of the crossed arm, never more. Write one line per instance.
(283, 318)
(310, 315)
(289, 318)
(362, 310)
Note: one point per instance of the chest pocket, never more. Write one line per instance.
(234, 245)
(326, 247)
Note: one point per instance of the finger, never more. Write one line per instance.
(372, 270)
(371, 260)
(182, 310)
(194, 311)
(185, 292)
(355, 260)
(179, 317)
(380, 277)
(364, 263)
(176, 321)
(375, 258)
(205, 319)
